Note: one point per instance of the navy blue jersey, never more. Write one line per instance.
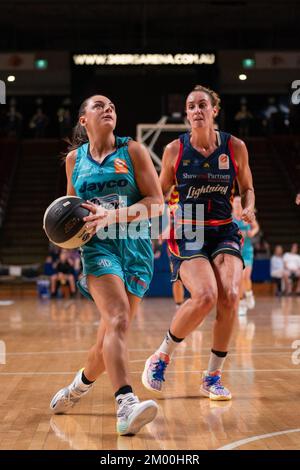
(204, 180)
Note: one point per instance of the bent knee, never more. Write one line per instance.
(119, 323)
(118, 318)
(230, 298)
(205, 299)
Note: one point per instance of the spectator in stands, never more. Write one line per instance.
(278, 273)
(49, 267)
(243, 118)
(54, 251)
(64, 122)
(274, 117)
(14, 123)
(51, 260)
(291, 262)
(39, 123)
(64, 274)
(283, 105)
(262, 248)
(75, 260)
(272, 108)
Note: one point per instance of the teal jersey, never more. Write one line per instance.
(110, 183)
(124, 249)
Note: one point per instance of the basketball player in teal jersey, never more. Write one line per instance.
(203, 165)
(248, 232)
(112, 173)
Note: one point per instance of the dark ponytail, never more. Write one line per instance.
(79, 135)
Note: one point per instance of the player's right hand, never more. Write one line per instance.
(97, 214)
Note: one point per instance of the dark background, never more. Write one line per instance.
(152, 25)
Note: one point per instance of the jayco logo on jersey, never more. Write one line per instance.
(101, 186)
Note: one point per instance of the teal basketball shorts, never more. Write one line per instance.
(129, 259)
(248, 255)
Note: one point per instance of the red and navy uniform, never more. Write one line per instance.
(209, 182)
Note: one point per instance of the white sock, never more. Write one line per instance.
(249, 293)
(78, 383)
(168, 345)
(119, 398)
(215, 363)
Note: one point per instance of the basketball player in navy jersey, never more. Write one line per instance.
(203, 165)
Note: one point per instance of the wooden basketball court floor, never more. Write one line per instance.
(46, 343)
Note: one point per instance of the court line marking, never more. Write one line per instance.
(72, 351)
(235, 444)
(199, 356)
(196, 355)
(169, 372)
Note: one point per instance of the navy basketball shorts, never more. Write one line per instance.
(222, 239)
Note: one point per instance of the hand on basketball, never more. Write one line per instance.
(248, 215)
(97, 217)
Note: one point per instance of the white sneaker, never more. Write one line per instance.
(242, 308)
(132, 414)
(250, 300)
(67, 397)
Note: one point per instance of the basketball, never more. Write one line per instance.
(63, 222)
